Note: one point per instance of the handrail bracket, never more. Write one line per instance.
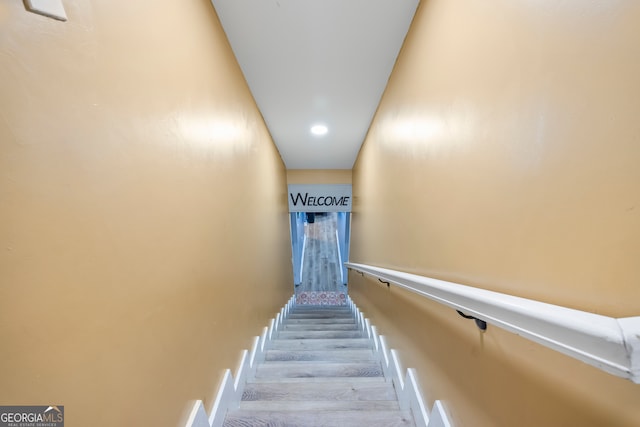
(481, 324)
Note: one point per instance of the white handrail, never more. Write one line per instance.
(610, 344)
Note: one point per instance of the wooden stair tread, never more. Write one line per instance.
(320, 344)
(302, 335)
(321, 327)
(346, 355)
(311, 369)
(319, 405)
(318, 418)
(344, 390)
(320, 315)
(323, 321)
(325, 380)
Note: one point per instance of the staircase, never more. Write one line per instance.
(319, 370)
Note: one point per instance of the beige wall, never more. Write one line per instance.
(319, 176)
(143, 220)
(504, 155)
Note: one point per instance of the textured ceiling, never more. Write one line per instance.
(316, 61)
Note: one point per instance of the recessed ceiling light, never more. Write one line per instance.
(319, 130)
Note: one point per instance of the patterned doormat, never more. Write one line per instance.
(321, 298)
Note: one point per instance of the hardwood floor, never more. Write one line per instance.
(321, 266)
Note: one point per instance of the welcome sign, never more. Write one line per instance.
(320, 197)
